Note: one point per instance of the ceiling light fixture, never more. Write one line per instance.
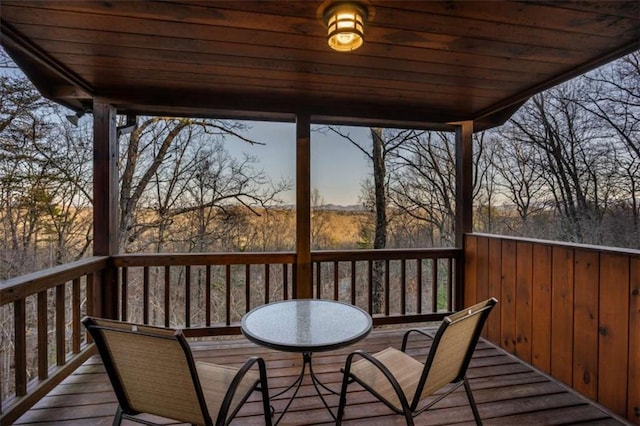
(345, 26)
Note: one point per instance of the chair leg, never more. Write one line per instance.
(268, 413)
(117, 419)
(409, 418)
(472, 402)
(343, 399)
(264, 390)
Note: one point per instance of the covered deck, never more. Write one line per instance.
(572, 311)
(507, 390)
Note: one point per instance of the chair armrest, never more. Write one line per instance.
(233, 386)
(405, 338)
(383, 369)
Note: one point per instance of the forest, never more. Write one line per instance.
(565, 167)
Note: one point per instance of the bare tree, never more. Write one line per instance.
(612, 95)
(521, 182)
(41, 191)
(178, 168)
(383, 142)
(554, 124)
(320, 222)
(424, 184)
(486, 183)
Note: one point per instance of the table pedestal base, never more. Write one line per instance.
(306, 360)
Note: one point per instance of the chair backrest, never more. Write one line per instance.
(452, 348)
(151, 370)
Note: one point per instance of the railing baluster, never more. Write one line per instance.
(403, 286)
(187, 296)
(434, 286)
(419, 285)
(75, 309)
(387, 290)
(20, 340)
(43, 336)
(124, 293)
(90, 306)
(228, 295)
(285, 281)
(247, 291)
(167, 295)
(145, 295)
(208, 296)
(370, 285)
(450, 285)
(60, 328)
(353, 282)
(336, 279)
(318, 280)
(267, 277)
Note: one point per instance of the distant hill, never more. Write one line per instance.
(335, 207)
(328, 207)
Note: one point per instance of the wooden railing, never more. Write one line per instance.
(206, 294)
(203, 293)
(573, 311)
(44, 352)
(416, 285)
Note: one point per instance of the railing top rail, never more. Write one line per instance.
(607, 249)
(33, 283)
(385, 254)
(182, 259)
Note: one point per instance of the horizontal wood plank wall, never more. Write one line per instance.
(633, 403)
(571, 311)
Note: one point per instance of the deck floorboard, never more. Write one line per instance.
(507, 390)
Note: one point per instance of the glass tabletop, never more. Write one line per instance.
(306, 325)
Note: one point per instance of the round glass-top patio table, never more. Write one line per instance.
(306, 326)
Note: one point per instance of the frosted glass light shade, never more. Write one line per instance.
(345, 26)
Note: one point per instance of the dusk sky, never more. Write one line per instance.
(337, 167)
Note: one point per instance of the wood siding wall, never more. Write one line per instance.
(571, 311)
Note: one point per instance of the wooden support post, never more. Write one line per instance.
(303, 285)
(464, 200)
(105, 205)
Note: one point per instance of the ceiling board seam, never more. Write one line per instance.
(561, 78)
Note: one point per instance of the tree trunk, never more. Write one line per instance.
(380, 238)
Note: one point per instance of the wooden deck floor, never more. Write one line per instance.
(506, 390)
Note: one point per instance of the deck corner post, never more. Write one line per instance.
(464, 201)
(302, 285)
(105, 205)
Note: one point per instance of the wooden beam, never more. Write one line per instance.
(302, 287)
(105, 203)
(70, 92)
(464, 200)
(28, 48)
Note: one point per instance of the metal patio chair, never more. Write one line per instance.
(152, 371)
(403, 383)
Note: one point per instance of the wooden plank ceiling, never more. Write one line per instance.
(422, 61)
